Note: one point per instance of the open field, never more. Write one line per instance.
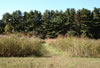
(50, 34)
(70, 52)
(50, 62)
(15, 46)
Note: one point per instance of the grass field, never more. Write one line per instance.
(70, 52)
(50, 62)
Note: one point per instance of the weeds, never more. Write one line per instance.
(14, 46)
(82, 47)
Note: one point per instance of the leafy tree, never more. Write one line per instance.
(8, 28)
(1, 27)
(6, 18)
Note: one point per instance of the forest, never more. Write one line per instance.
(52, 23)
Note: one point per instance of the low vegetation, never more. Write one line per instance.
(50, 62)
(81, 47)
(19, 46)
(14, 46)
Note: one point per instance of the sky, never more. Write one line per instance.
(42, 5)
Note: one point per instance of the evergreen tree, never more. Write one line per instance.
(52, 23)
(96, 23)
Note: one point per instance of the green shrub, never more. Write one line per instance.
(8, 28)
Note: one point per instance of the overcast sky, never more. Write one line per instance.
(42, 5)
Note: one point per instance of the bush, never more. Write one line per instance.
(8, 28)
(14, 46)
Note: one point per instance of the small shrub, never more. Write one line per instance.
(8, 28)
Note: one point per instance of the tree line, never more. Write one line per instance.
(53, 23)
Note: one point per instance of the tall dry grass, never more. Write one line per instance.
(14, 46)
(82, 47)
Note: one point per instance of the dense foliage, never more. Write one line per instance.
(52, 23)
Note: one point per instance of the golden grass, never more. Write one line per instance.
(82, 47)
(72, 46)
(15, 46)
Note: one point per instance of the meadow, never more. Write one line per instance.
(31, 52)
(50, 62)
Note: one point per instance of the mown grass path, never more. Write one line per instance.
(50, 62)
